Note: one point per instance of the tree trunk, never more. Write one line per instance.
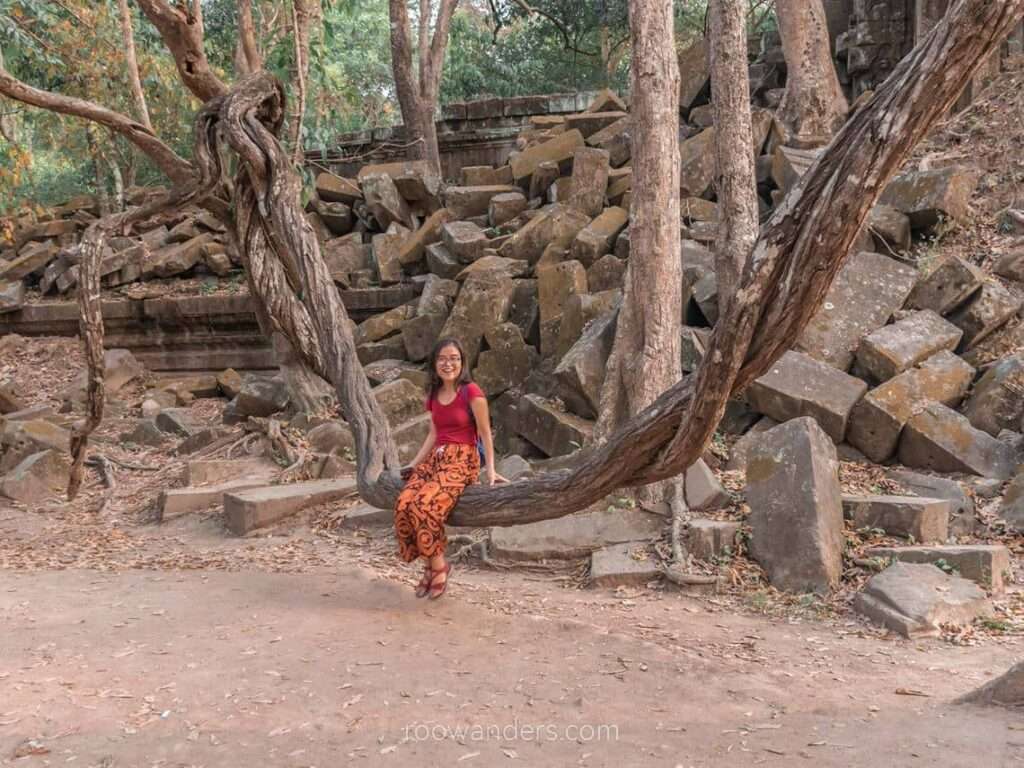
(247, 58)
(128, 37)
(783, 282)
(736, 179)
(645, 359)
(814, 106)
(182, 31)
(303, 14)
(417, 95)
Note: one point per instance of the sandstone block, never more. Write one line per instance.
(916, 600)
(996, 403)
(581, 371)
(248, 510)
(986, 312)
(796, 509)
(710, 539)
(622, 564)
(889, 351)
(337, 189)
(947, 286)
(930, 197)
(589, 180)
(574, 535)
(799, 385)
(384, 201)
(556, 150)
(37, 477)
(555, 432)
(941, 439)
(987, 565)
(505, 207)
(483, 303)
(924, 520)
(879, 418)
(868, 290)
(464, 240)
(595, 240)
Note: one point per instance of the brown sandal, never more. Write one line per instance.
(424, 586)
(437, 590)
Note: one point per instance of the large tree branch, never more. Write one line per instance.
(177, 168)
(182, 32)
(734, 170)
(128, 37)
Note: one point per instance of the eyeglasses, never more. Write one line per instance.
(449, 359)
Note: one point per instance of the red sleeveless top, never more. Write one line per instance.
(454, 422)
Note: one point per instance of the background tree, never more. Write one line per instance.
(418, 85)
(646, 354)
(814, 105)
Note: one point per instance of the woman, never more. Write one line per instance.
(446, 463)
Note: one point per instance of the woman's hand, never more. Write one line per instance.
(493, 477)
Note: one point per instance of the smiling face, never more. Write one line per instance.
(448, 364)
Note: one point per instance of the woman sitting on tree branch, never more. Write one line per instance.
(448, 461)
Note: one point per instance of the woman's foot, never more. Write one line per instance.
(424, 586)
(439, 582)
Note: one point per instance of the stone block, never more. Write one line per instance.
(391, 348)
(622, 565)
(261, 397)
(919, 518)
(869, 289)
(796, 508)
(420, 334)
(987, 565)
(464, 240)
(557, 225)
(337, 189)
(507, 362)
(798, 385)
(199, 472)
(879, 418)
(581, 371)
(574, 536)
(940, 439)
(556, 283)
(483, 303)
(595, 240)
(789, 164)
(386, 249)
(710, 539)
(414, 247)
(494, 266)
(890, 229)
(441, 262)
(384, 201)
(245, 511)
(589, 123)
(12, 296)
(468, 201)
(400, 400)
(175, 502)
(996, 403)
(37, 477)
(31, 259)
(961, 521)
(505, 207)
(703, 491)
(890, 350)
(983, 314)
(933, 196)
(947, 286)
(553, 431)
(697, 164)
(366, 516)
(916, 600)
(556, 150)
(605, 274)
(589, 180)
(694, 74)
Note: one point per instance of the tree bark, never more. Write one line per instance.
(783, 283)
(177, 168)
(251, 60)
(182, 32)
(128, 37)
(814, 105)
(736, 178)
(417, 95)
(645, 358)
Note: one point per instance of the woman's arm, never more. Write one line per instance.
(482, 416)
(428, 444)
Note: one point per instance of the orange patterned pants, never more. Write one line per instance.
(429, 496)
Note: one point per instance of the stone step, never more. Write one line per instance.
(176, 502)
(246, 511)
(924, 520)
(708, 539)
(626, 564)
(574, 535)
(210, 471)
(985, 564)
(368, 516)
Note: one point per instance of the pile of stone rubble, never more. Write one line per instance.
(524, 264)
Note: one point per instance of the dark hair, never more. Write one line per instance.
(434, 383)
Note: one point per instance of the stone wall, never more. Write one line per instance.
(481, 132)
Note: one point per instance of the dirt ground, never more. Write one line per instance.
(176, 645)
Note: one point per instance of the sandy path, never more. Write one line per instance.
(325, 668)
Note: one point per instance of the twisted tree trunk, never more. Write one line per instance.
(783, 282)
